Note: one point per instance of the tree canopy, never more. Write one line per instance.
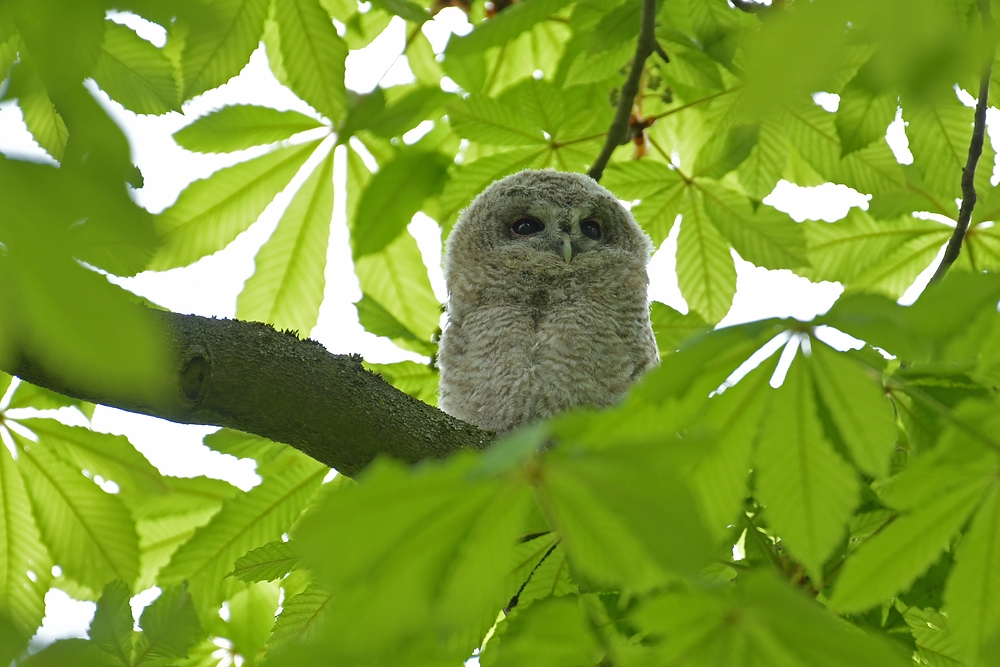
(817, 507)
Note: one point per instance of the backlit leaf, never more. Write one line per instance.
(706, 273)
(313, 55)
(216, 50)
(169, 628)
(135, 73)
(265, 563)
(240, 126)
(481, 118)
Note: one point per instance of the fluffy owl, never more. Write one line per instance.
(546, 275)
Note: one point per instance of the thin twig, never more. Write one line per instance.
(975, 150)
(618, 132)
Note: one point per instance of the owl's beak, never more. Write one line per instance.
(567, 247)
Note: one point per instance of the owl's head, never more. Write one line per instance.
(543, 224)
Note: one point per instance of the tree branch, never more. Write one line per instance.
(618, 131)
(249, 377)
(954, 248)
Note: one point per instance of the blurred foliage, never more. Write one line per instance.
(850, 516)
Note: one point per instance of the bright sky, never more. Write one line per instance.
(210, 286)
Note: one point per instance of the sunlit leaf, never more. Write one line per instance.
(313, 55)
(111, 628)
(265, 563)
(88, 532)
(301, 615)
(40, 115)
(216, 49)
(417, 380)
(169, 627)
(211, 212)
(286, 288)
(481, 118)
(671, 328)
(550, 633)
(135, 73)
(939, 136)
(863, 114)
(706, 273)
(808, 489)
(251, 616)
(240, 126)
(508, 24)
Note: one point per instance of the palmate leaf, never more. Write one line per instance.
(22, 596)
(111, 628)
(88, 532)
(762, 169)
(396, 279)
(549, 633)
(301, 615)
(671, 328)
(485, 120)
(404, 8)
(40, 115)
(286, 287)
(76, 652)
(211, 212)
(508, 24)
(471, 178)
(251, 616)
(240, 126)
(663, 192)
(417, 380)
(379, 321)
(135, 73)
(112, 457)
(266, 563)
(764, 622)
(809, 491)
(935, 644)
(980, 249)
(414, 558)
(724, 151)
(868, 254)
(864, 113)
(28, 395)
(161, 536)
(730, 423)
(313, 55)
(858, 407)
(706, 273)
(972, 595)
(621, 513)
(170, 627)
(245, 522)
(215, 50)
(393, 196)
(939, 137)
(767, 237)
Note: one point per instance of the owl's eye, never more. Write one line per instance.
(526, 227)
(591, 229)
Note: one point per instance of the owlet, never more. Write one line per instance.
(546, 275)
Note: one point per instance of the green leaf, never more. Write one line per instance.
(251, 616)
(731, 424)
(662, 190)
(888, 562)
(706, 273)
(243, 445)
(88, 532)
(858, 406)
(245, 522)
(161, 536)
(972, 595)
(377, 320)
(76, 652)
(27, 395)
(767, 237)
(808, 489)
(483, 119)
(405, 113)
(313, 55)
(624, 515)
(266, 563)
(40, 115)
(549, 633)
(763, 622)
(240, 126)
(724, 151)
(393, 196)
(169, 628)
(301, 615)
(215, 51)
(671, 328)
(111, 628)
(286, 288)
(863, 114)
(211, 212)
(762, 169)
(939, 137)
(22, 596)
(417, 380)
(471, 178)
(414, 554)
(396, 279)
(935, 644)
(404, 8)
(872, 255)
(506, 25)
(112, 457)
(135, 73)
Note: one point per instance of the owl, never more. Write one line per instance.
(547, 309)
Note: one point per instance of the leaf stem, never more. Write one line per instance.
(975, 150)
(618, 131)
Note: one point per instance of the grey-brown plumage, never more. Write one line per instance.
(547, 309)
